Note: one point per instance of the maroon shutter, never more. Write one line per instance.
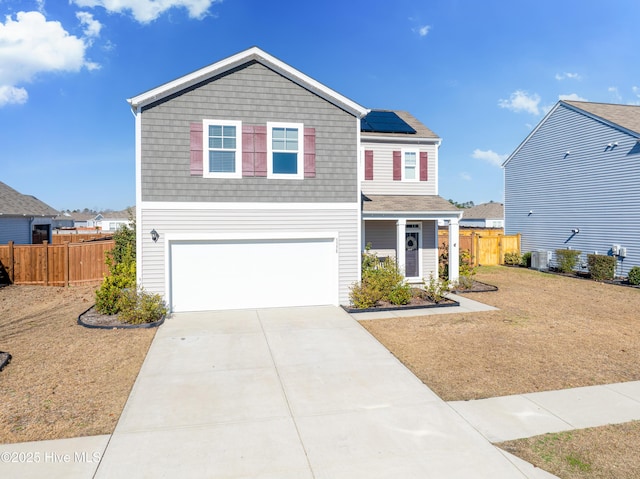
(260, 149)
(368, 164)
(397, 166)
(196, 149)
(309, 152)
(424, 175)
(248, 151)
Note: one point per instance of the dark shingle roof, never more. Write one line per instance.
(421, 130)
(13, 203)
(485, 211)
(627, 116)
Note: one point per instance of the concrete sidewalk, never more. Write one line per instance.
(525, 415)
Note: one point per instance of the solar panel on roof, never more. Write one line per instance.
(384, 122)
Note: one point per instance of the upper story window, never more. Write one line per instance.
(222, 148)
(285, 156)
(410, 170)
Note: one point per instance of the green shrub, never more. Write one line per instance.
(400, 294)
(363, 296)
(465, 264)
(137, 306)
(601, 267)
(121, 261)
(381, 281)
(122, 276)
(634, 275)
(513, 258)
(526, 259)
(567, 259)
(436, 289)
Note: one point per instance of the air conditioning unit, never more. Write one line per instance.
(540, 260)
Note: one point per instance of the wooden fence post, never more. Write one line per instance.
(66, 263)
(46, 262)
(11, 263)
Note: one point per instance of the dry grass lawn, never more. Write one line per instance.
(609, 452)
(551, 332)
(64, 380)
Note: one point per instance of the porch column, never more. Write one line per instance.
(401, 230)
(454, 250)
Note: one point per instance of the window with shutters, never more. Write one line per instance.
(285, 155)
(222, 147)
(410, 165)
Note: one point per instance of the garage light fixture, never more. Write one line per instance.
(155, 235)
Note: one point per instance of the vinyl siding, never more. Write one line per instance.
(16, 230)
(254, 95)
(594, 188)
(383, 183)
(232, 221)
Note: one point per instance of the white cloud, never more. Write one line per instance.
(12, 95)
(145, 11)
(572, 97)
(30, 45)
(91, 26)
(521, 101)
(465, 176)
(568, 76)
(489, 156)
(423, 30)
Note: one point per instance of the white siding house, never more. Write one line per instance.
(574, 182)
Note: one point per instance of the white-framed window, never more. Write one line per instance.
(285, 150)
(410, 165)
(222, 148)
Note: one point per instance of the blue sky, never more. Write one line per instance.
(480, 74)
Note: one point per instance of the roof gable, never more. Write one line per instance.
(253, 54)
(622, 117)
(14, 203)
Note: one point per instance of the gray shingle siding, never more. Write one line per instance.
(593, 188)
(254, 95)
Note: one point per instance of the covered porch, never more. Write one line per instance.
(406, 228)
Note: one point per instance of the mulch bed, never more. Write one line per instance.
(91, 318)
(477, 287)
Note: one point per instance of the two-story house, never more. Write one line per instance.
(249, 182)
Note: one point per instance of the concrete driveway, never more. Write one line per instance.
(287, 393)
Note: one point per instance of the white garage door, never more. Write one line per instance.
(239, 274)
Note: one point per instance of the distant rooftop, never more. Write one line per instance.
(485, 211)
(14, 203)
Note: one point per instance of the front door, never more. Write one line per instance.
(412, 256)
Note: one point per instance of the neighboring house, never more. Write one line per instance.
(573, 182)
(485, 215)
(248, 188)
(24, 219)
(401, 205)
(108, 221)
(111, 221)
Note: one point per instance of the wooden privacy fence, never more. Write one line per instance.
(54, 264)
(60, 238)
(486, 249)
